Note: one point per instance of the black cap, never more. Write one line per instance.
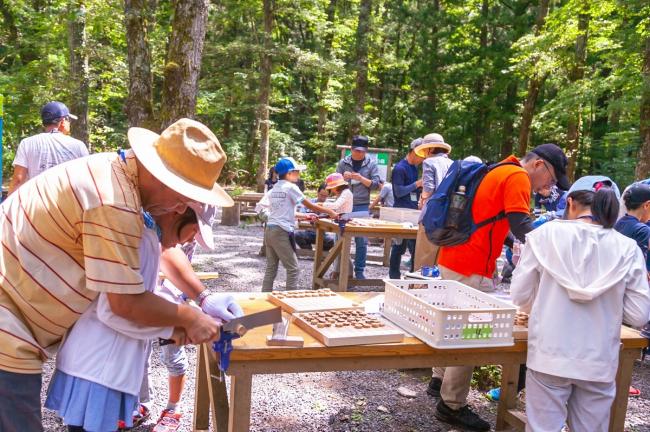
(638, 193)
(556, 157)
(360, 142)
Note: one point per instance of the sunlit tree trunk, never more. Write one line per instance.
(643, 160)
(79, 74)
(361, 66)
(263, 119)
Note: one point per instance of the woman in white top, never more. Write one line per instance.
(579, 280)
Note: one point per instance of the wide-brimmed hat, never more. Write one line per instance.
(205, 216)
(432, 140)
(187, 157)
(334, 180)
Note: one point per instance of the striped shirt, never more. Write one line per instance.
(67, 235)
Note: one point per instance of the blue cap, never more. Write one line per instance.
(287, 164)
(53, 111)
(593, 183)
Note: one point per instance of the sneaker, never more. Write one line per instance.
(494, 394)
(464, 417)
(359, 275)
(634, 392)
(434, 387)
(169, 421)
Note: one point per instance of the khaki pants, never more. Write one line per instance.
(456, 379)
(426, 253)
(279, 249)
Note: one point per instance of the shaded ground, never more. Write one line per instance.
(341, 401)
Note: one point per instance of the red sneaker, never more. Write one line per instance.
(169, 421)
(634, 392)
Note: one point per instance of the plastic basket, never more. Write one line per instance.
(449, 314)
(401, 215)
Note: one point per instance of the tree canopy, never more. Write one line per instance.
(471, 70)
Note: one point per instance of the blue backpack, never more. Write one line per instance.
(461, 173)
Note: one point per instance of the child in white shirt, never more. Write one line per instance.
(337, 186)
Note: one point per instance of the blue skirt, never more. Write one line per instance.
(83, 403)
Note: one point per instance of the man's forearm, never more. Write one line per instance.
(151, 310)
(178, 269)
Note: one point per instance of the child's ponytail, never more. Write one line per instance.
(604, 207)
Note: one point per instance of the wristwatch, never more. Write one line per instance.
(199, 299)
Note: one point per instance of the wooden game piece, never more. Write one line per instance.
(290, 341)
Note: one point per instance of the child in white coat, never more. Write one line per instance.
(579, 280)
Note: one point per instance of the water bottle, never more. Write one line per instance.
(456, 207)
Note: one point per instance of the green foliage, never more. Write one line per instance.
(486, 377)
(428, 70)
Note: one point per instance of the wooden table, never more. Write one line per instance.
(245, 203)
(251, 356)
(342, 248)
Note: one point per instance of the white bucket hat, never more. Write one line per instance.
(432, 140)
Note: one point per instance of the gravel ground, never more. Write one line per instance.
(340, 401)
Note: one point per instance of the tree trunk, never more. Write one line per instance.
(643, 160)
(9, 22)
(324, 84)
(479, 86)
(577, 73)
(509, 107)
(183, 65)
(139, 103)
(363, 28)
(534, 86)
(265, 92)
(79, 74)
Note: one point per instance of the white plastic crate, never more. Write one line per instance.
(401, 215)
(449, 314)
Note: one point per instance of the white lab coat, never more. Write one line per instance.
(107, 349)
(579, 281)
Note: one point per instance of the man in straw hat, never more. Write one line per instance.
(74, 232)
(434, 168)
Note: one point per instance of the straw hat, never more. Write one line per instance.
(186, 157)
(432, 140)
(334, 180)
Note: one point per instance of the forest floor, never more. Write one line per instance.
(337, 401)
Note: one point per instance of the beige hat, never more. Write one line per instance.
(186, 157)
(432, 140)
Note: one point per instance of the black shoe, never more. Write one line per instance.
(434, 387)
(464, 417)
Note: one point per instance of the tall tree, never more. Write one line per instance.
(183, 63)
(643, 160)
(325, 79)
(576, 74)
(79, 74)
(479, 85)
(139, 103)
(263, 120)
(535, 84)
(361, 66)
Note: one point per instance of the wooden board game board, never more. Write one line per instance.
(347, 327)
(309, 300)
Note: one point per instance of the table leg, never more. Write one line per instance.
(218, 392)
(318, 255)
(201, 393)
(344, 273)
(387, 245)
(240, 402)
(508, 397)
(623, 380)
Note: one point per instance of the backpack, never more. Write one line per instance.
(460, 173)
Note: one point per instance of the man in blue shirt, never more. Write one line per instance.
(406, 190)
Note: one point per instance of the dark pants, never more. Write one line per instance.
(306, 238)
(396, 252)
(20, 402)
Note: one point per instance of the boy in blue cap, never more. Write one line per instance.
(279, 232)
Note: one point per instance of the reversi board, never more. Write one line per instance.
(309, 300)
(347, 327)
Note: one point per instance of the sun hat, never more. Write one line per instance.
(593, 183)
(432, 140)
(473, 159)
(205, 216)
(287, 164)
(334, 180)
(187, 157)
(53, 111)
(360, 142)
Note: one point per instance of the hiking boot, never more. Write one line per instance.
(464, 417)
(434, 387)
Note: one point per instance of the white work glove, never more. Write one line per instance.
(222, 306)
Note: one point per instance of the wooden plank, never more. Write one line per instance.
(318, 255)
(329, 259)
(508, 396)
(310, 300)
(623, 379)
(201, 420)
(344, 271)
(516, 419)
(217, 390)
(240, 398)
(348, 335)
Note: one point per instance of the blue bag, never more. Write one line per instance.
(435, 219)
